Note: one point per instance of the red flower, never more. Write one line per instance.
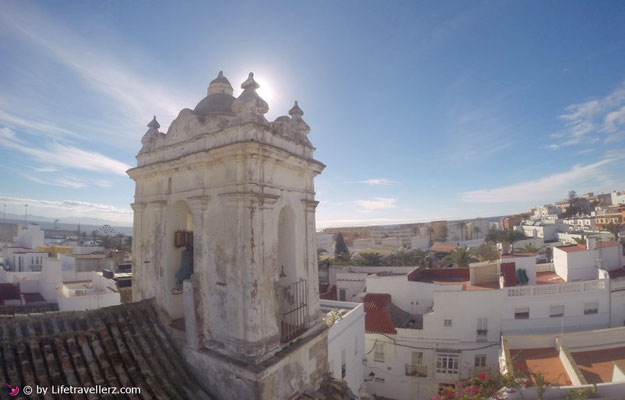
(482, 376)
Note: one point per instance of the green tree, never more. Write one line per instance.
(579, 240)
(370, 259)
(461, 257)
(549, 253)
(95, 237)
(106, 236)
(614, 229)
(487, 252)
(340, 248)
(530, 248)
(424, 258)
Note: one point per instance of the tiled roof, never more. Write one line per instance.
(617, 273)
(377, 319)
(572, 248)
(606, 244)
(9, 291)
(28, 308)
(33, 297)
(443, 247)
(330, 294)
(116, 346)
(515, 255)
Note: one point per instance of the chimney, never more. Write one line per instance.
(591, 243)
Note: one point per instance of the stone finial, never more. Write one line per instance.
(249, 105)
(221, 84)
(154, 124)
(250, 83)
(296, 111)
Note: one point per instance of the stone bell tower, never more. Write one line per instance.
(239, 191)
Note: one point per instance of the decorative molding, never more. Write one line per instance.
(138, 206)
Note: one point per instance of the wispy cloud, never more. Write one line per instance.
(376, 182)
(593, 120)
(543, 189)
(378, 203)
(70, 209)
(64, 156)
(50, 129)
(135, 94)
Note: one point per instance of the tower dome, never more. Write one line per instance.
(218, 97)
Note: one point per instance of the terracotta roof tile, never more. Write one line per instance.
(9, 291)
(606, 244)
(572, 248)
(377, 319)
(122, 345)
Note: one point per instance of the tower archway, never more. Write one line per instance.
(179, 238)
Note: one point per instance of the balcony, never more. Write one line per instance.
(293, 300)
(482, 335)
(420, 371)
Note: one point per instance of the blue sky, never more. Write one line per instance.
(421, 110)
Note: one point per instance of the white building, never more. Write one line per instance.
(618, 198)
(326, 242)
(30, 237)
(544, 212)
(542, 230)
(364, 243)
(435, 327)
(346, 341)
(421, 242)
(581, 262)
(53, 285)
(580, 223)
(567, 361)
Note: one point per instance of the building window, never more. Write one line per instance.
(447, 363)
(447, 323)
(342, 294)
(522, 313)
(591, 308)
(480, 360)
(482, 329)
(378, 352)
(556, 311)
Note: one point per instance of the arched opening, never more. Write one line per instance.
(286, 246)
(179, 259)
(292, 289)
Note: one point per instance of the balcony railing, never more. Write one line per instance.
(293, 300)
(420, 371)
(554, 288)
(482, 335)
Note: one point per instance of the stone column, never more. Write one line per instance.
(154, 250)
(195, 313)
(310, 248)
(137, 248)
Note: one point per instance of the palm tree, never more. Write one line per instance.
(579, 240)
(614, 229)
(461, 257)
(530, 248)
(424, 258)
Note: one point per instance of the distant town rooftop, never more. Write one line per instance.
(450, 276)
